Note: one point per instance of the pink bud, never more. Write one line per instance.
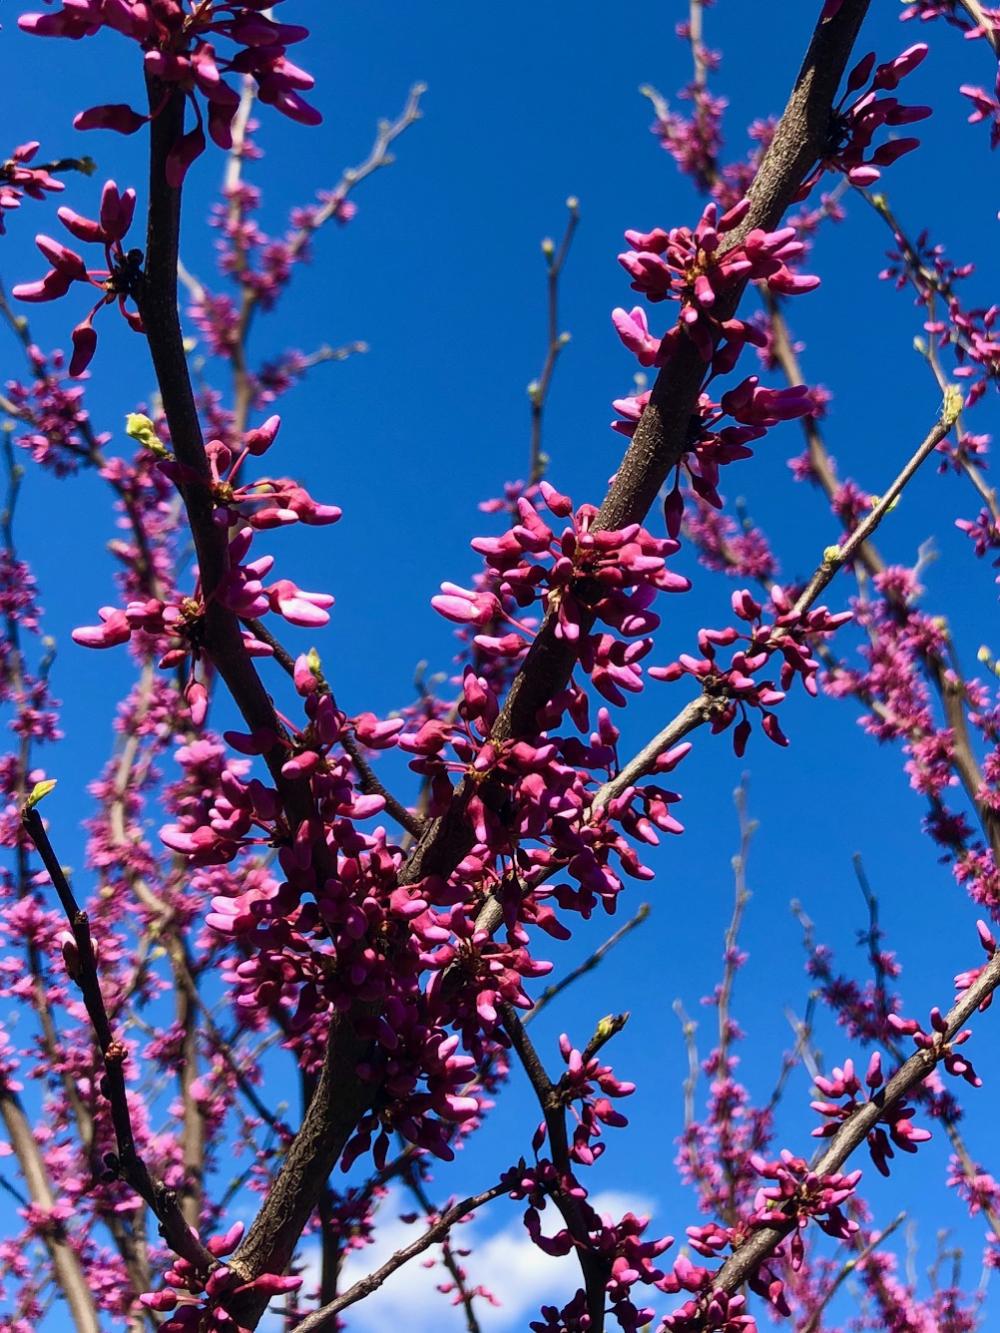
(118, 117)
(260, 439)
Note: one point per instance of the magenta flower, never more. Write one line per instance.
(464, 607)
(17, 179)
(736, 688)
(985, 106)
(754, 409)
(849, 148)
(897, 1116)
(117, 282)
(695, 268)
(178, 46)
(632, 328)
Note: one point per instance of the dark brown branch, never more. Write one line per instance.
(661, 437)
(595, 1268)
(270, 1242)
(128, 1163)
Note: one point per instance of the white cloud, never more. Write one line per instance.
(506, 1262)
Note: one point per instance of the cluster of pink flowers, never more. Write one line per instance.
(242, 508)
(19, 178)
(179, 52)
(277, 869)
(585, 575)
(191, 1298)
(734, 687)
(698, 269)
(849, 148)
(117, 282)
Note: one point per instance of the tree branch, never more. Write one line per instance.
(325, 1317)
(751, 1254)
(129, 1164)
(661, 436)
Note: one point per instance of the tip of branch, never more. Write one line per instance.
(38, 793)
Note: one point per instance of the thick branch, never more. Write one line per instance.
(656, 448)
(661, 437)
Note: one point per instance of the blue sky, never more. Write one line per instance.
(441, 274)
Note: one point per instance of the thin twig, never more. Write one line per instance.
(325, 1317)
(601, 952)
(538, 389)
(847, 1268)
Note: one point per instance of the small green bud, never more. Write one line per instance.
(141, 429)
(39, 792)
(953, 404)
(831, 554)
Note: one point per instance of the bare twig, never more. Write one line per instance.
(325, 1317)
(538, 390)
(588, 965)
(847, 1268)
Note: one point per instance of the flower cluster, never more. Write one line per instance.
(243, 508)
(701, 270)
(179, 52)
(897, 1116)
(118, 282)
(585, 575)
(853, 128)
(19, 178)
(734, 689)
(191, 1297)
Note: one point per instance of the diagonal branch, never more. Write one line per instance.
(752, 1253)
(703, 708)
(326, 1317)
(661, 436)
(83, 969)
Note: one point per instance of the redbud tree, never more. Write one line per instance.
(298, 969)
